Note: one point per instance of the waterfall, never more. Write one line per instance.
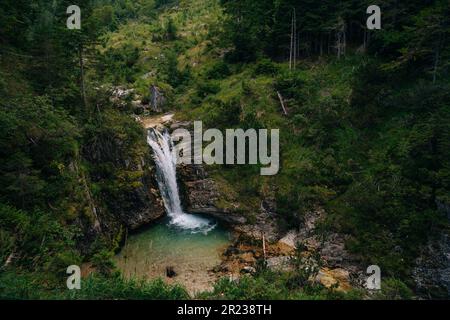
(166, 175)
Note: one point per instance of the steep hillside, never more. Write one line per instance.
(364, 141)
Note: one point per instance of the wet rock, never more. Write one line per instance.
(170, 272)
(142, 204)
(200, 194)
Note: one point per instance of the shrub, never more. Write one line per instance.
(219, 70)
(265, 67)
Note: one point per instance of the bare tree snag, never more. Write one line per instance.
(282, 103)
(264, 246)
(293, 47)
(83, 87)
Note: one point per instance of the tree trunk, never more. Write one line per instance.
(365, 40)
(341, 40)
(436, 64)
(83, 87)
(321, 44)
(291, 49)
(295, 39)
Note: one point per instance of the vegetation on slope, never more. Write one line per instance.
(366, 137)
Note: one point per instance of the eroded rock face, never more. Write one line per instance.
(200, 194)
(134, 199)
(265, 225)
(142, 204)
(157, 99)
(432, 271)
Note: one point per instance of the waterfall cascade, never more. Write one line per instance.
(166, 164)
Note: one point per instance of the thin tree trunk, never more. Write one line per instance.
(345, 40)
(321, 44)
(83, 87)
(328, 44)
(295, 38)
(365, 39)
(282, 103)
(292, 43)
(341, 40)
(9, 260)
(264, 246)
(436, 64)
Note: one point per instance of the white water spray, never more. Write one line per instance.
(166, 164)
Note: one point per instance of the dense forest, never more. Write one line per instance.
(365, 132)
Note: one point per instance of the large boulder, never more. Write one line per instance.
(200, 194)
(157, 99)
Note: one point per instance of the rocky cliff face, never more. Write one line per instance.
(125, 176)
(200, 194)
(157, 99)
(432, 271)
(133, 207)
(142, 204)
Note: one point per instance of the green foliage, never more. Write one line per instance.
(366, 136)
(295, 284)
(117, 288)
(36, 240)
(171, 30)
(393, 289)
(219, 70)
(269, 285)
(94, 287)
(265, 67)
(38, 144)
(102, 262)
(207, 88)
